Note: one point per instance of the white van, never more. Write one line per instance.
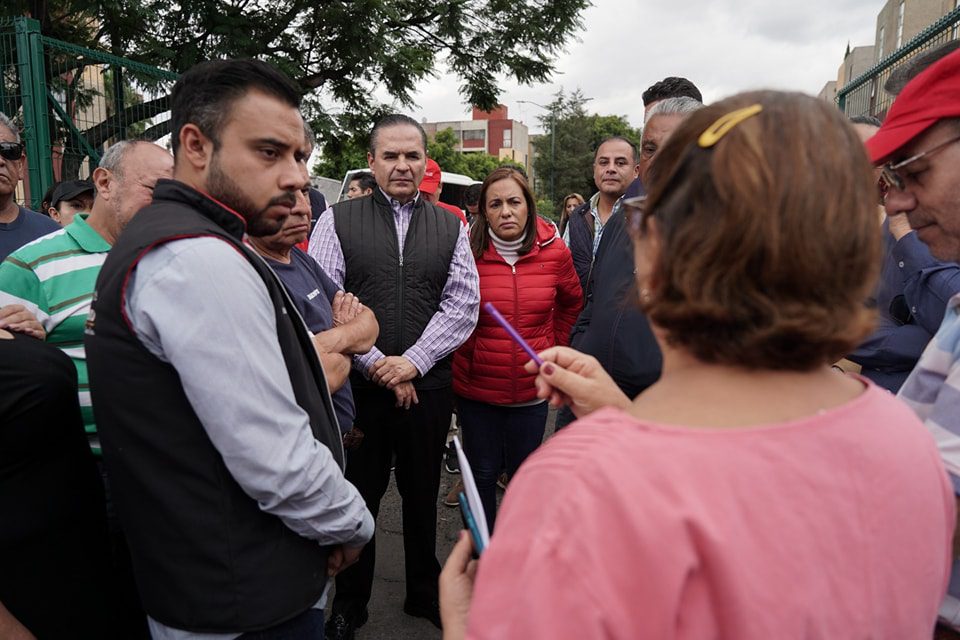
(453, 186)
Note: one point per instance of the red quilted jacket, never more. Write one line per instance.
(540, 295)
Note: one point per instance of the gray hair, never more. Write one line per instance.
(902, 75)
(112, 160)
(867, 120)
(309, 135)
(673, 106)
(5, 121)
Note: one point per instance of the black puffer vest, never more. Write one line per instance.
(402, 290)
(205, 556)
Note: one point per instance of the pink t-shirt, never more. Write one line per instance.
(833, 526)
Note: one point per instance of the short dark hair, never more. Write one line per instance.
(364, 180)
(633, 146)
(869, 120)
(394, 120)
(910, 69)
(205, 94)
(47, 201)
(471, 195)
(779, 302)
(479, 236)
(672, 87)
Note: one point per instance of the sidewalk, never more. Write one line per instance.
(387, 619)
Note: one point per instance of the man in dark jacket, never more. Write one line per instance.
(217, 428)
(614, 167)
(611, 327)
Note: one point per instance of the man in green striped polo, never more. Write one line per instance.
(54, 276)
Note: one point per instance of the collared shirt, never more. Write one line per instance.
(933, 391)
(598, 224)
(191, 302)
(459, 302)
(53, 277)
(928, 283)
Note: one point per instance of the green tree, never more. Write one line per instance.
(443, 149)
(337, 51)
(564, 153)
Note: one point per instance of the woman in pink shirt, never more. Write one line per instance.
(751, 493)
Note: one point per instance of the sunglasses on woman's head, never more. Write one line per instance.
(11, 150)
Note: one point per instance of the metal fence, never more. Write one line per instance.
(73, 102)
(864, 95)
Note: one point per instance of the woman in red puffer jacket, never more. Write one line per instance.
(527, 273)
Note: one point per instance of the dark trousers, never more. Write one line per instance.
(564, 417)
(494, 436)
(130, 618)
(416, 436)
(306, 626)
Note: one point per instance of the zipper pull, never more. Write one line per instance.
(514, 267)
(401, 259)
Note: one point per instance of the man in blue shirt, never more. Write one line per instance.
(913, 289)
(340, 324)
(18, 226)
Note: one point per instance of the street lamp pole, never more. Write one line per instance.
(553, 147)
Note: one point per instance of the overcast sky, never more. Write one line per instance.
(723, 46)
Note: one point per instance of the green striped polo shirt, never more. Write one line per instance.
(54, 277)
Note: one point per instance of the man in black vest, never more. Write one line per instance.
(217, 428)
(410, 262)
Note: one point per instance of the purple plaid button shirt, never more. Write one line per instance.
(459, 303)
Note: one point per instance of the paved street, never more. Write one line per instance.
(387, 619)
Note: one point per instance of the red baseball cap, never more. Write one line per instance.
(930, 97)
(431, 177)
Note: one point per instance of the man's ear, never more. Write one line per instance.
(102, 181)
(370, 160)
(196, 149)
(53, 213)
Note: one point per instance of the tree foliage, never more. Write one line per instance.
(337, 51)
(564, 153)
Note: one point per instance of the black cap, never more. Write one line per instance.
(70, 189)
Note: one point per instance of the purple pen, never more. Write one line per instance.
(492, 310)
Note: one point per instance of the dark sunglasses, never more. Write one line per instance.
(11, 150)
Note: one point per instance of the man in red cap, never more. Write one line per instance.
(918, 148)
(431, 186)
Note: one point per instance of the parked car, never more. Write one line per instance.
(453, 186)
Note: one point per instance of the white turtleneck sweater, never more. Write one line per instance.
(507, 248)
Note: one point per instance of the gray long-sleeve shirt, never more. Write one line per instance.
(199, 305)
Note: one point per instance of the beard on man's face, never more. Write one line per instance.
(221, 187)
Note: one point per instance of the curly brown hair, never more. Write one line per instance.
(769, 240)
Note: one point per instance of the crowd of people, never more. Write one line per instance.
(209, 376)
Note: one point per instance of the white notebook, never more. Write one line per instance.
(473, 497)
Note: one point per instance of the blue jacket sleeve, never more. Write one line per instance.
(892, 347)
(927, 283)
